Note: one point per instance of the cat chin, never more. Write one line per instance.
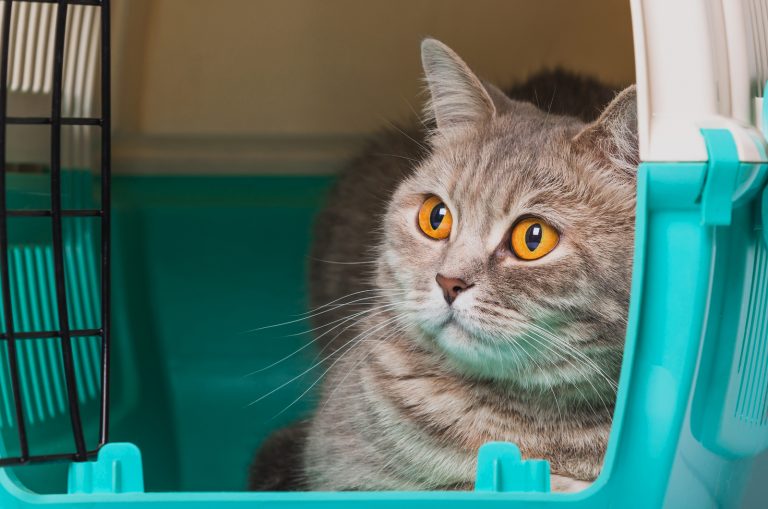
(491, 360)
(477, 358)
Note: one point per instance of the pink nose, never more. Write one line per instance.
(452, 287)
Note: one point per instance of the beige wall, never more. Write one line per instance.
(195, 72)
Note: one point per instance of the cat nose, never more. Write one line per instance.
(452, 287)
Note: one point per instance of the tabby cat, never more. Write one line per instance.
(471, 283)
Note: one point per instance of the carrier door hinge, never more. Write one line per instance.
(500, 468)
(117, 469)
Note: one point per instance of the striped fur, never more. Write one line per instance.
(531, 353)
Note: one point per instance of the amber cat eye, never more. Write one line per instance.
(435, 219)
(533, 238)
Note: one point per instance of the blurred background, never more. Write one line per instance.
(247, 86)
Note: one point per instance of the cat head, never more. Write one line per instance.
(513, 240)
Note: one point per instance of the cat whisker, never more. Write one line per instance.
(334, 262)
(557, 403)
(379, 310)
(577, 353)
(551, 101)
(379, 290)
(355, 311)
(397, 156)
(416, 114)
(378, 342)
(301, 319)
(500, 311)
(362, 337)
(313, 366)
(540, 342)
(575, 368)
(397, 330)
(421, 145)
(313, 341)
(593, 368)
(553, 338)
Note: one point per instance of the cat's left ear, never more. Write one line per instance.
(613, 136)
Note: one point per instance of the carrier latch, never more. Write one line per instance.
(501, 468)
(117, 469)
(722, 172)
(736, 172)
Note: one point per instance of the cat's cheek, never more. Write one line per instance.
(464, 307)
(407, 221)
(433, 308)
(395, 276)
(402, 234)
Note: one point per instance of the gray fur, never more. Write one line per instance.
(531, 353)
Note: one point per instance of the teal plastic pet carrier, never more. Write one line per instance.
(122, 359)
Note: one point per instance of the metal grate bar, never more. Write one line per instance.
(49, 213)
(42, 458)
(47, 121)
(77, 333)
(70, 2)
(58, 243)
(5, 278)
(106, 207)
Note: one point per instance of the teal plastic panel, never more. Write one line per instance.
(764, 216)
(117, 469)
(501, 468)
(730, 407)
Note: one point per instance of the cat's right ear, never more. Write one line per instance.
(613, 136)
(457, 96)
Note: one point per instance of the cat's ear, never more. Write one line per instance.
(501, 101)
(457, 96)
(613, 136)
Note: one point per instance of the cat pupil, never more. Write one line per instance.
(437, 215)
(533, 236)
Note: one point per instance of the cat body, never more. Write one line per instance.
(435, 346)
(400, 422)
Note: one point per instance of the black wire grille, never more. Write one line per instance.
(63, 333)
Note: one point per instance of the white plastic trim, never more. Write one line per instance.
(747, 138)
(676, 77)
(741, 60)
(699, 63)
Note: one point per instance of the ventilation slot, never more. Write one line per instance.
(751, 403)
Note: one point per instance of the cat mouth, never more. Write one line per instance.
(455, 322)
